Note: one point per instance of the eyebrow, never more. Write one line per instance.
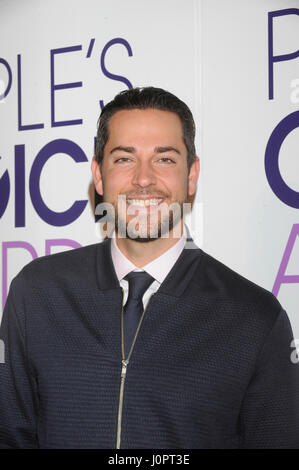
(156, 150)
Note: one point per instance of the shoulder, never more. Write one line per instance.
(77, 264)
(235, 293)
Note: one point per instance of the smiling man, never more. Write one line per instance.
(146, 160)
(144, 340)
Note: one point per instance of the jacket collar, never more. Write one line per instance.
(175, 282)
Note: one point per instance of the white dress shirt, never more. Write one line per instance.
(158, 268)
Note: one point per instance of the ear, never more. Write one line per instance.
(193, 176)
(97, 176)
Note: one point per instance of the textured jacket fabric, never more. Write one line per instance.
(210, 369)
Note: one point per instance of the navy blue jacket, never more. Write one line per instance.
(211, 367)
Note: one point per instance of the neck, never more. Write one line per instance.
(142, 253)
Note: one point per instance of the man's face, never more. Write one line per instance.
(145, 159)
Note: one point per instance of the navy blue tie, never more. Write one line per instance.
(139, 281)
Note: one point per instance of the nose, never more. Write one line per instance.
(144, 174)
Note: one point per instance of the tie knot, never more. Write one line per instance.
(139, 281)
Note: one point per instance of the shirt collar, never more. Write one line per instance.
(158, 268)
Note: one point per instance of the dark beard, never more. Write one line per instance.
(162, 229)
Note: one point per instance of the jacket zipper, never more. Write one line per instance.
(125, 363)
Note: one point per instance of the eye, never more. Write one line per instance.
(167, 160)
(122, 159)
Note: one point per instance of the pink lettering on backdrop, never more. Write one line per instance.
(281, 277)
(60, 242)
(5, 247)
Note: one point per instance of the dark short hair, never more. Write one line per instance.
(145, 98)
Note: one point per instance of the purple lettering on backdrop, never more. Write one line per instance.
(110, 75)
(4, 192)
(57, 219)
(277, 184)
(279, 58)
(281, 277)
(22, 127)
(90, 48)
(19, 185)
(6, 64)
(5, 247)
(62, 86)
(60, 242)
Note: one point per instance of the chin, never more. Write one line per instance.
(142, 239)
(143, 236)
(148, 235)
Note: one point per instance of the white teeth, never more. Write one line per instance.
(146, 202)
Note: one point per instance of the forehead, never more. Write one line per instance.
(145, 127)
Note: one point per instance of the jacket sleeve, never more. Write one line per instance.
(269, 417)
(18, 402)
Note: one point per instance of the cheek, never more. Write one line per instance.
(175, 183)
(115, 184)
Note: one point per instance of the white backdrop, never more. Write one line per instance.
(246, 225)
(214, 55)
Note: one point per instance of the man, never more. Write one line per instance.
(144, 340)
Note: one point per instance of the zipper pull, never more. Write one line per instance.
(124, 368)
